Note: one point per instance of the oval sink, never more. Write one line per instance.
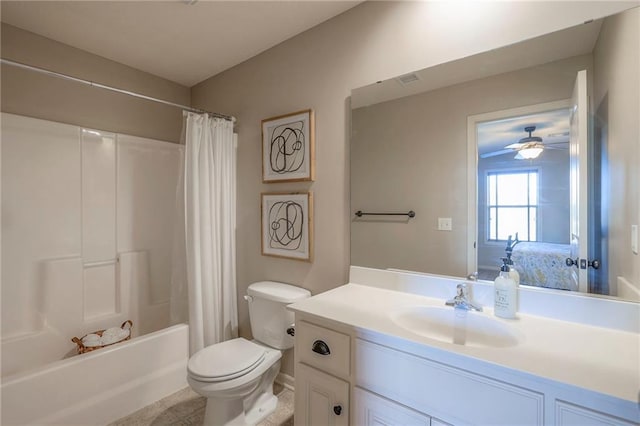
(456, 326)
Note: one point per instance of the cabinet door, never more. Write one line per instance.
(372, 410)
(573, 415)
(435, 388)
(320, 399)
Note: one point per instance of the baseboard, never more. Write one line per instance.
(286, 380)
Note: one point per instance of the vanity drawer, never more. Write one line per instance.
(455, 395)
(322, 348)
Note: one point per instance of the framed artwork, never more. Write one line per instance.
(288, 148)
(287, 225)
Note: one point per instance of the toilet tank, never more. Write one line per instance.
(268, 312)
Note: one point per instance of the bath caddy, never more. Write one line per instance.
(127, 325)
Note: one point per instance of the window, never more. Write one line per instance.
(512, 201)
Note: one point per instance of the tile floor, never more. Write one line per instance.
(186, 408)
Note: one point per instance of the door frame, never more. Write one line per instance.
(579, 153)
(472, 166)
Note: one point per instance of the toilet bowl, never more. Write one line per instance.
(236, 376)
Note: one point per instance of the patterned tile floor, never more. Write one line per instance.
(186, 408)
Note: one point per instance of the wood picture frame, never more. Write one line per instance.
(288, 147)
(287, 225)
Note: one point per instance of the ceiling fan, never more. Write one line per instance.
(527, 148)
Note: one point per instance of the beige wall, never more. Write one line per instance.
(35, 95)
(617, 89)
(318, 69)
(411, 154)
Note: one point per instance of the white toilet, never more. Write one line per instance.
(237, 376)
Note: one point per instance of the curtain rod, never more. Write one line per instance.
(114, 89)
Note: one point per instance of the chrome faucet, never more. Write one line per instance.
(461, 300)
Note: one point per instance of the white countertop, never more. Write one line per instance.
(599, 359)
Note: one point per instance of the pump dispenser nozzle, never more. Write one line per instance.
(505, 265)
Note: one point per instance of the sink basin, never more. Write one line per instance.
(456, 326)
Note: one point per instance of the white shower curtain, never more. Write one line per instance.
(204, 259)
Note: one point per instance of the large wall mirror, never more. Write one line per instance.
(529, 152)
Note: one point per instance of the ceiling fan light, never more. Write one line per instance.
(529, 153)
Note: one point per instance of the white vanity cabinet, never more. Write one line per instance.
(326, 383)
(346, 375)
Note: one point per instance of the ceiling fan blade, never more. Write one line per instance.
(496, 153)
(555, 143)
(516, 145)
(561, 148)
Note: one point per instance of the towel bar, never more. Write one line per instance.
(410, 213)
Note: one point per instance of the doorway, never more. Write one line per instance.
(521, 206)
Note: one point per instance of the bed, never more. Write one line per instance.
(543, 265)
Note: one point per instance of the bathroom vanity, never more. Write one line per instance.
(384, 349)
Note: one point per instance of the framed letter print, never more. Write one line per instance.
(287, 225)
(288, 148)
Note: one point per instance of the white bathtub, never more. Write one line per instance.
(101, 386)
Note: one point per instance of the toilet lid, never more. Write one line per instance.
(226, 360)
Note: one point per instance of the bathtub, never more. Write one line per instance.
(101, 386)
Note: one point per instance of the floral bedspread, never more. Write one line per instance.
(543, 265)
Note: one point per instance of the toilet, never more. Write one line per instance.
(236, 376)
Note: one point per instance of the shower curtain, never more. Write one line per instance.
(204, 257)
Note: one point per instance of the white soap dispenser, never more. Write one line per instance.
(505, 301)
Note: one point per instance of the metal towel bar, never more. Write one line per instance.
(410, 213)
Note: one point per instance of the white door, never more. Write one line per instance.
(578, 143)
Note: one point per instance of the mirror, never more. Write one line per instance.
(440, 142)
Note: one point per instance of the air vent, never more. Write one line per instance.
(408, 78)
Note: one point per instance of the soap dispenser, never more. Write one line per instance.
(506, 293)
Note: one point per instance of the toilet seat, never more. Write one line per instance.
(226, 360)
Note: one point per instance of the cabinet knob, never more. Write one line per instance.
(337, 410)
(320, 347)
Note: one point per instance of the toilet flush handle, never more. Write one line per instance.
(248, 298)
(291, 331)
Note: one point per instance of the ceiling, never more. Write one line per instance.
(180, 40)
(551, 126)
(551, 47)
